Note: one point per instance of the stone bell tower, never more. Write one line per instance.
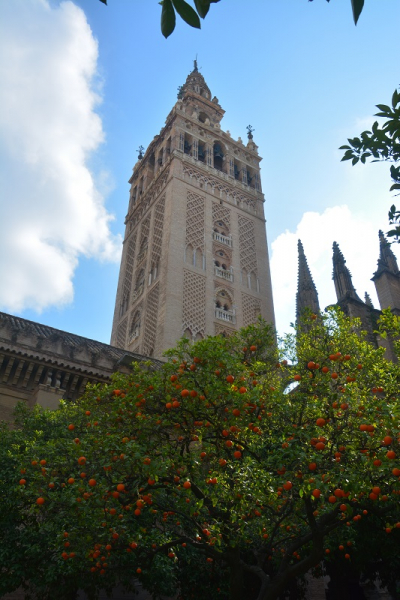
(195, 259)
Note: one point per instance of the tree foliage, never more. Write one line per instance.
(191, 15)
(382, 143)
(228, 473)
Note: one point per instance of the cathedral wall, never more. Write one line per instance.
(388, 290)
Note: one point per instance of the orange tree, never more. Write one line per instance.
(236, 462)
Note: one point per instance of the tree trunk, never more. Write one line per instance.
(236, 574)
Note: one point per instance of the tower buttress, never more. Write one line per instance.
(341, 276)
(387, 277)
(307, 295)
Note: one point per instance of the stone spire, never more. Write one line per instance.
(387, 260)
(196, 83)
(307, 295)
(387, 277)
(368, 300)
(341, 276)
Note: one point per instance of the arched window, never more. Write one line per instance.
(139, 285)
(219, 152)
(134, 331)
(189, 254)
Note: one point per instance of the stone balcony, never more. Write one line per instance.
(223, 273)
(225, 315)
(223, 239)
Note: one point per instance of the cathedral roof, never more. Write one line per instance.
(33, 339)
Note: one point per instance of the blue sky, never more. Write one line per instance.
(85, 84)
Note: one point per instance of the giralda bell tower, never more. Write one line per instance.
(195, 258)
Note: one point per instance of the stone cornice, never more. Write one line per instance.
(47, 345)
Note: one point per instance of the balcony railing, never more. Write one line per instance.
(227, 275)
(218, 237)
(225, 315)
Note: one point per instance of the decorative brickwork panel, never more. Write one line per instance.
(127, 284)
(247, 245)
(158, 227)
(150, 326)
(221, 213)
(195, 221)
(251, 309)
(223, 330)
(121, 333)
(194, 303)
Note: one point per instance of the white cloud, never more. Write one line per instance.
(357, 236)
(52, 211)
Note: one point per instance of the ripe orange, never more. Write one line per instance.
(92, 482)
(71, 480)
(320, 422)
(332, 499)
(40, 501)
(22, 481)
(312, 466)
(288, 485)
(391, 455)
(71, 427)
(237, 454)
(387, 440)
(242, 390)
(81, 460)
(253, 348)
(316, 493)
(187, 485)
(230, 379)
(297, 377)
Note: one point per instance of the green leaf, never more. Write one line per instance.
(104, 2)
(187, 13)
(384, 108)
(355, 160)
(202, 7)
(357, 6)
(168, 19)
